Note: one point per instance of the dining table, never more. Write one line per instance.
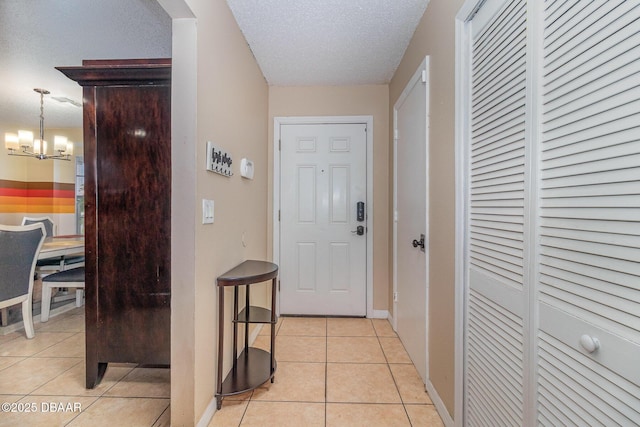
(61, 246)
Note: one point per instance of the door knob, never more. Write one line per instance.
(420, 243)
(590, 344)
(359, 230)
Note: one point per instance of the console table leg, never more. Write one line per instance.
(220, 342)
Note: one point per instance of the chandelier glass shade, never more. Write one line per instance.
(23, 144)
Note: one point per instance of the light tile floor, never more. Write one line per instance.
(334, 372)
(46, 376)
(331, 372)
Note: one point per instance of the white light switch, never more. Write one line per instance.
(207, 211)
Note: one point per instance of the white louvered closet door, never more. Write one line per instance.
(496, 203)
(589, 278)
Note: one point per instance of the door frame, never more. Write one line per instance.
(462, 137)
(311, 120)
(421, 75)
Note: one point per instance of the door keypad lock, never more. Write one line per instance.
(420, 243)
(359, 230)
(360, 211)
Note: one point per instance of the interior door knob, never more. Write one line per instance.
(420, 243)
(589, 343)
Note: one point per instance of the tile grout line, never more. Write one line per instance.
(161, 414)
(326, 368)
(404, 407)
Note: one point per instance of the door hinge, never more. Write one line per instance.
(279, 145)
(278, 285)
(395, 297)
(278, 215)
(424, 76)
(395, 134)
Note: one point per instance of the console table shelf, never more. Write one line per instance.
(256, 315)
(252, 370)
(254, 366)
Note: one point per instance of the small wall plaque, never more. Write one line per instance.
(218, 160)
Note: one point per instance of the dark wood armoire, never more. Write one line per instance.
(127, 157)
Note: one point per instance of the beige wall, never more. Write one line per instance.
(232, 103)
(347, 101)
(435, 36)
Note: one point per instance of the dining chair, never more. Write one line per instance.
(49, 225)
(19, 248)
(45, 266)
(71, 278)
(48, 266)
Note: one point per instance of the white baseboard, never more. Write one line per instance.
(255, 333)
(207, 416)
(211, 409)
(439, 405)
(380, 314)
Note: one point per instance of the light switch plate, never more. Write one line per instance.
(207, 211)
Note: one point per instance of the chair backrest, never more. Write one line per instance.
(48, 224)
(19, 248)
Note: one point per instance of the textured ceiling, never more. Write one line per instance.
(38, 35)
(296, 42)
(328, 42)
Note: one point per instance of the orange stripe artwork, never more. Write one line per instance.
(36, 197)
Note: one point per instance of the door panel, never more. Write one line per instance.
(322, 261)
(553, 215)
(133, 193)
(496, 204)
(339, 190)
(411, 220)
(306, 194)
(589, 241)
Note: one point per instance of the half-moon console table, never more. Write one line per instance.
(254, 366)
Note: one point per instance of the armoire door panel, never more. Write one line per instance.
(133, 160)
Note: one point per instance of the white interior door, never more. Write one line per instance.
(552, 229)
(589, 227)
(496, 202)
(411, 242)
(322, 256)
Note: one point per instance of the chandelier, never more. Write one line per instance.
(23, 144)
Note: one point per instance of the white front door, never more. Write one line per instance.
(322, 256)
(411, 238)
